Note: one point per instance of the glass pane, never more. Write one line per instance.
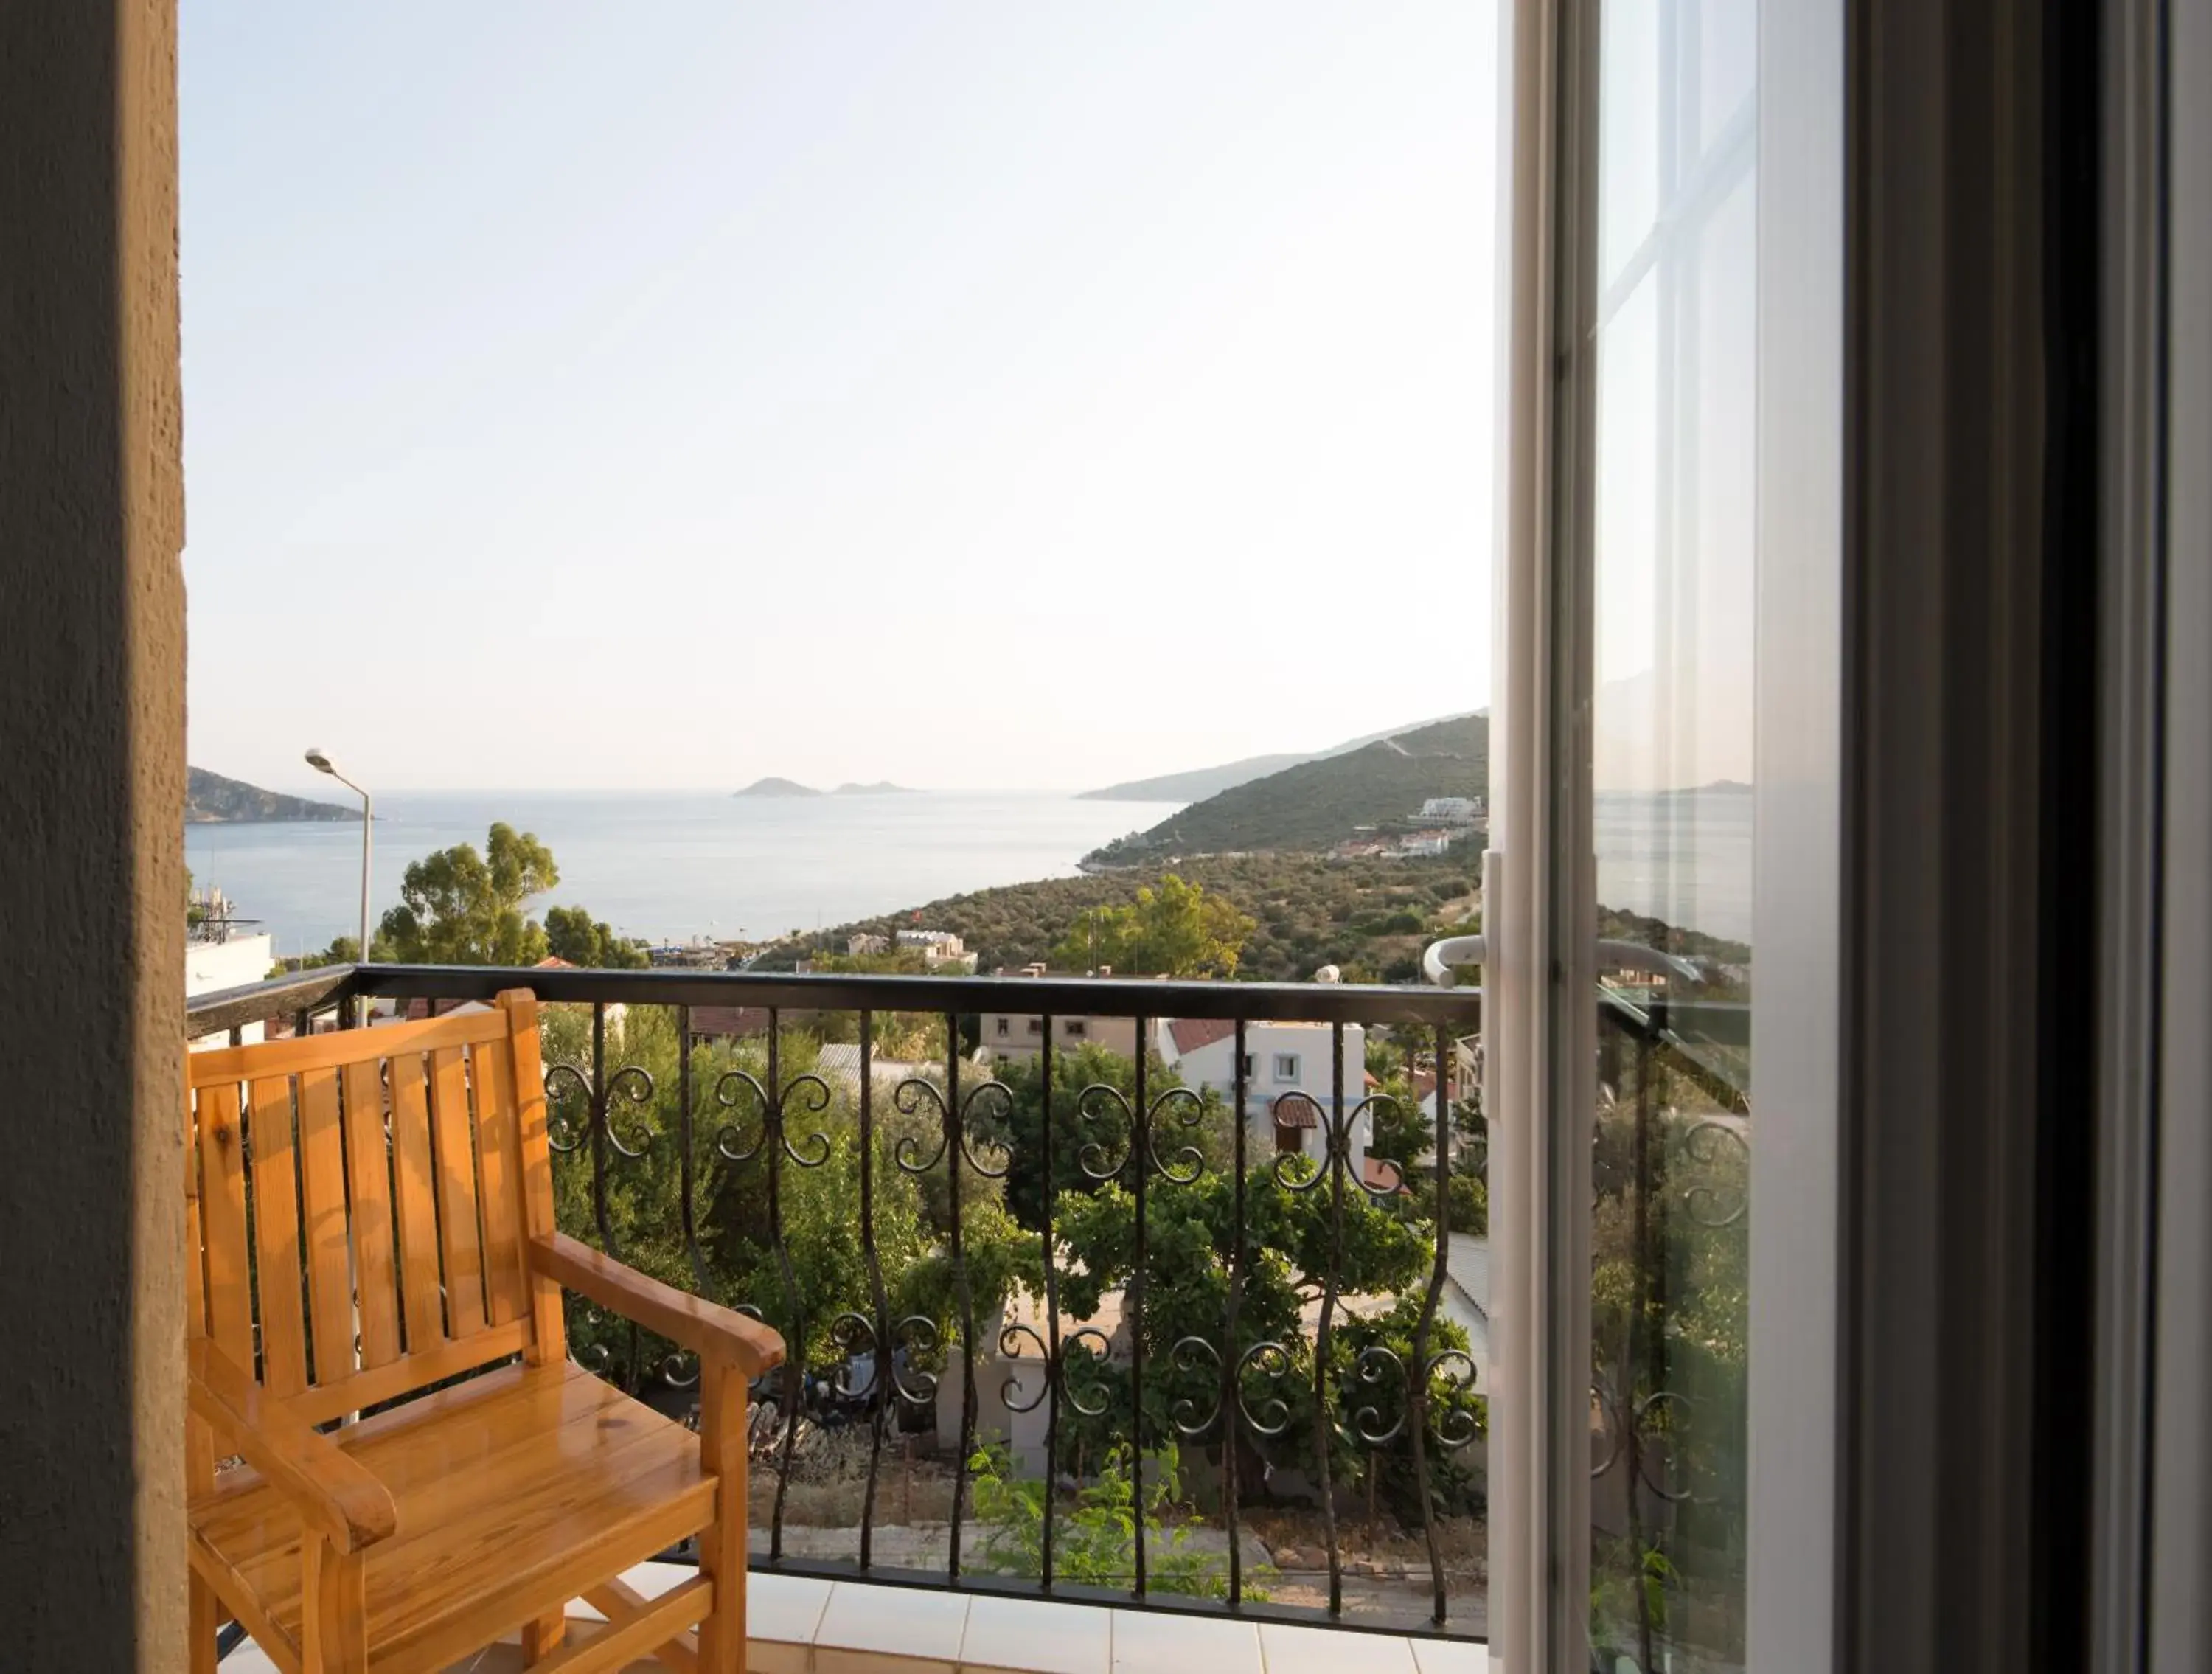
(1672, 738)
(1728, 65)
(1629, 143)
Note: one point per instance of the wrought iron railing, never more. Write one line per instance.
(961, 1300)
(1671, 1275)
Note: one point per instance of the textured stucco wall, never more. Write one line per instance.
(92, 767)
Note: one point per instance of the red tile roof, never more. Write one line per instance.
(1382, 1174)
(1189, 1034)
(1297, 1111)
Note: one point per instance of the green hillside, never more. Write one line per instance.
(212, 800)
(1196, 785)
(1372, 920)
(1200, 782)
(1318, 803)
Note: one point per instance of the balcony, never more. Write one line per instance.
(1086, 1371)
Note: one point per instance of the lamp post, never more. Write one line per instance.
(321, 763)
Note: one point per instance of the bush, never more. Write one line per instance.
(1093, 1541)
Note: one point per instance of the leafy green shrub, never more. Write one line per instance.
(1094, 1540)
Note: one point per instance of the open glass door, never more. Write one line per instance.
(1665, 780)
(1670, 738)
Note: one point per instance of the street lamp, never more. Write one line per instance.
(321, 763)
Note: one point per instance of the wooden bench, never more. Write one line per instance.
(370, 1213)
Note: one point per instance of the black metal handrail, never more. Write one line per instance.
(1266, 1401)
(1242, 1392)
(1061, 996)
(298, 996)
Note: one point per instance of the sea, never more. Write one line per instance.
(671, 865)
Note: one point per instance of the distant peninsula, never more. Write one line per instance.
(1198, 784)
(1321, 802)
(212, 800)
(774, 787)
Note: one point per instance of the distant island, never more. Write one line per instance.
(212, 800)
(774, 787)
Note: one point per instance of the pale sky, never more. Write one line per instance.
(967, 394)
(1675, 434)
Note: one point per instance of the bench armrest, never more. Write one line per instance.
(707, 1329)
(334, 1491)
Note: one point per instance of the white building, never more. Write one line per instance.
(1465, 1077)
(1010, 1035)
(1010, 1408)
(221, 958)
(1280, 1060)
(1450, 811)
(938, 947)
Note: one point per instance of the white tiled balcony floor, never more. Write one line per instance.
(803, 1626)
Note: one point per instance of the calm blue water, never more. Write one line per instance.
(673, 864)
(1682, 855)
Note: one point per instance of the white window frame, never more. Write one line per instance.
(1798, 817)
(1539, 918)
(2178, 1442)
(1290, 1074)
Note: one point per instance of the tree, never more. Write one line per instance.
(1669, 1289)
(891, 962)
(1097, 1533)
(1088, 1133)
(731, 1162)
(1177, 930)
(571, 933)
(342, 950)
(1307, 912)
(458, 907)
(1299, 1230)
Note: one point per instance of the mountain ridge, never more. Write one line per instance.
(1196, 784)
(212, 800)
(1321, 802)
